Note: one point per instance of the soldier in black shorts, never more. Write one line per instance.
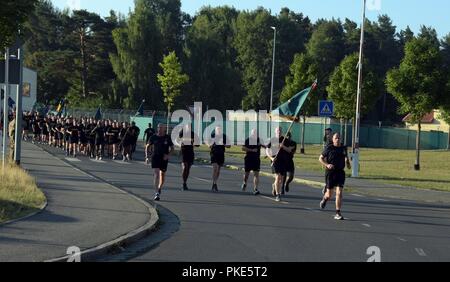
(187, 152)
(290, 166)
(278, 152)
(73, 131)
(217, 144)
(162, 146)
(334, 158)
(252, 149)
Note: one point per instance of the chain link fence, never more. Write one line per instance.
(119, 115)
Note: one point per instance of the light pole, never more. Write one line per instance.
(273, 77)
(355, 157)
(273, 65)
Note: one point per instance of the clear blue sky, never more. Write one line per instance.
(414, 13)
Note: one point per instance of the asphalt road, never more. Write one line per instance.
(201, 226)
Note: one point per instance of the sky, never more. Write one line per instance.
(412, 13)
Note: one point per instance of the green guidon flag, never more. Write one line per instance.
(292, 108)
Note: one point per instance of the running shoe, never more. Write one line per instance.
(185, 188)
(278, 198)
(157, 197)
(244, 187)
(256, 192)
(323, 204)
(338, 216)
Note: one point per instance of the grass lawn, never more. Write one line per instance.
(387, 166)
(19, 194)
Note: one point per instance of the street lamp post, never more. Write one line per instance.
(273, 77)
(273, 65)
(355, 157)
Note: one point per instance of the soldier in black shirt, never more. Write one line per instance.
(187, 152)
(162, 146)
(99, 137)
(252, 149)
(217, 144)
(334, 158)
(149, 132)
(278, 151)
(73, 131)
(134, 134)
(290, 165)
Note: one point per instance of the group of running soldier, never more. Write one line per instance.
(83, 136)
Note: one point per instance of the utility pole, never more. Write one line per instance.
(355, 157)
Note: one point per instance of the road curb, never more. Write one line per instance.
(120, 242)
(41, 209)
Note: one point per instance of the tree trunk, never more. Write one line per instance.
(417, 165)
(345, 132)
(303, 135)
(84, 63)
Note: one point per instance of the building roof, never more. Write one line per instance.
(428, 118)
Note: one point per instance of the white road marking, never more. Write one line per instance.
(421, 252)
(98, 161)
(357, 195)
(121, 162)
(366, 225)
(401, 239)
(73, 160)
(201, 179)
(383, 200)
(273, 199)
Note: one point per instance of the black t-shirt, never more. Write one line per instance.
(187, 146)
(134, 132)
(252, 144)
(148, 133)
(218, 147)
(73, 129)
(336, 156)
(283, 155)
(161, 144)
(99, 133)
(114, 131)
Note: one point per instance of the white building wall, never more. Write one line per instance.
(29, 77)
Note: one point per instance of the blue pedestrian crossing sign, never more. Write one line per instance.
(326, 108)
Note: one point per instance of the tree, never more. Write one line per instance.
(300, 77)
(13, 14)
(344, 86)
(254, 43)
(417, 83)
(171, 80)
(215, 78)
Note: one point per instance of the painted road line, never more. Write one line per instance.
(401, 239)
(357, 195)
(201, 179)
(383, 200)
(273, 199)
(121, 162)
(73, 160)
(98, 161)
(366, 225)
(421, 252)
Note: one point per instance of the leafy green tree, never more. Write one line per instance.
(254, 43)
(172, 79)
(417, 83)
(300, 77)
(215, 78)
(13, 14)
(344, 86)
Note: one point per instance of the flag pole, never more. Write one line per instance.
(292, 123)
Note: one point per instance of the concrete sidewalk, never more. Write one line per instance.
(357, 185)
(82, 211)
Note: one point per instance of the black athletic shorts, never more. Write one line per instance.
(74, 139)
(99, 142)
(279, 167)
(218, 159)
(290, 166)
(159, 162)
(334, 178)
(252, 164)
(188, 157)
